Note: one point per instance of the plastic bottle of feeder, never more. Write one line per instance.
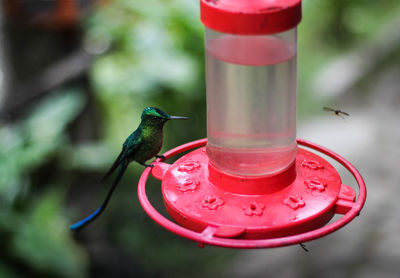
(251, 73)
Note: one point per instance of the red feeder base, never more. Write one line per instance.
(213, 207)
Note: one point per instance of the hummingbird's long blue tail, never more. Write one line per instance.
(82, 223)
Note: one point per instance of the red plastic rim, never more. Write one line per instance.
(253, 17)
(207, 235)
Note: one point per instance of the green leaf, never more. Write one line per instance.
(27, 144)
(50, 117)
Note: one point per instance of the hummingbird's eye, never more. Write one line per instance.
(155, 118)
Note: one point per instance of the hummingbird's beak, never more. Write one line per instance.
(177, 118)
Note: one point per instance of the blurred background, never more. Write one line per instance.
(74, 78)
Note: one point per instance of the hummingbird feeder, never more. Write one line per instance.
(249, 184)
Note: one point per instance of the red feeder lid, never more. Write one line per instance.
(250, 17)
(241, 214)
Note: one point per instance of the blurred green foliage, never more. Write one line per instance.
(153, 56)
(32, 225)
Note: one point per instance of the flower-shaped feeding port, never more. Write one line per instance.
(294, 201)
(312, 164)
(188, 185)
(315, 184)
(189, 166)
(212, 202)
(254, 208)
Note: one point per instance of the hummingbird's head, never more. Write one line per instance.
(156, 115)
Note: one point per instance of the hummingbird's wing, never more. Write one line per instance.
(130, 146)
(115, 164)
(328, 109)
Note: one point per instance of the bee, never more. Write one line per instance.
(337, 112)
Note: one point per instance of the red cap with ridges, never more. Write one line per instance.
(250, 17)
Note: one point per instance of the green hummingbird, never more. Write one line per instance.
(144, 143)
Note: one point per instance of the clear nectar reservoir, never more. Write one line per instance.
(251, 76)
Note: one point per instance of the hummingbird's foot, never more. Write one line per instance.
(147, 165)
(161, 157)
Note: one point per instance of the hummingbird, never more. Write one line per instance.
(143, 144)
